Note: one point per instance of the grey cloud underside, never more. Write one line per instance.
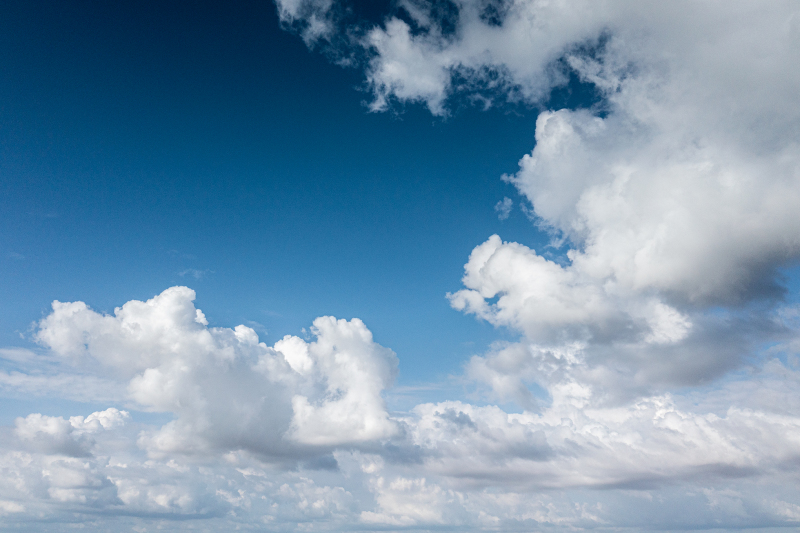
(656, 365)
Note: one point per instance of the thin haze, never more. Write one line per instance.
(625, 358)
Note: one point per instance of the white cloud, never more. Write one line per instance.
(658, 212)
(411, 65)
(684, 190)
(228, 390)
(621, 343)
(573, 444)
(503, 208)
(677, 198)
(53, 435)
(406, 502)
(355, 371)
(330, 454)
(7, 507)
(676, 195)
(57, 436)
(313, 19)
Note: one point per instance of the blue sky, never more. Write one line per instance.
(189, 193)
(146, 146)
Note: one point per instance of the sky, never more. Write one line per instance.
(468, 265)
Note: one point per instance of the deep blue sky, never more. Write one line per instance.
(142, 140)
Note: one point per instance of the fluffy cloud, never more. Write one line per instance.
(700, 109)
(656, 365)
(57, 436)
(675, 196)
(325, 452)
(227, 390)
(579, 329)
(674, 201)
(355, 371)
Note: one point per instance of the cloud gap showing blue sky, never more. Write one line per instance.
(473, 265)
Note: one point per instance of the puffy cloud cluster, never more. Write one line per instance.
(579, 329)
(676, 199)
(297, 433)
(246, 416)
(53, 488)
(227, 390)
(675, 195)
(57, 436)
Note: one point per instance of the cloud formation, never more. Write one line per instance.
(656, 367)
(503, 208)
(675, 196)
(227, 389)
(313, 19)
(298, 432)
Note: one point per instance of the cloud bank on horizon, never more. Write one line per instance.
(656, 368)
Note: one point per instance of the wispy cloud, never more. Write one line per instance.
(503, 208)
(195, 273)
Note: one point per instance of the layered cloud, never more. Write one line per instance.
(298, 432)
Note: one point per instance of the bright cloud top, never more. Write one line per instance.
(227, 389)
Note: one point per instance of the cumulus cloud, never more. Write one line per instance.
(693, 116)
(675, 196)
(578, 329)
(656, 365)
(672, 206)
(297, 432)
(56, 436)
(227, 389)
(355, 371)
